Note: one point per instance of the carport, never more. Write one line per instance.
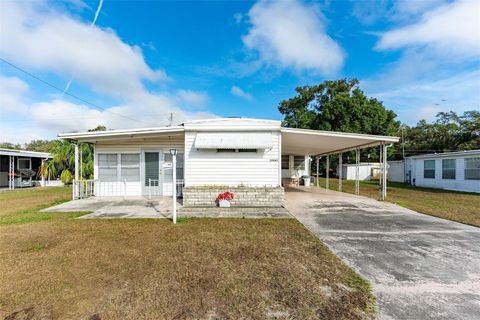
(316, 145)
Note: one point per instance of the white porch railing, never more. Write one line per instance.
(157, 188)
(82, 189)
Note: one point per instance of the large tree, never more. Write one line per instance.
(338, 105)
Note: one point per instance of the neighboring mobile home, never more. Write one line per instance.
(366, 171)
(249, 157)
(458, 171)
(20, 168)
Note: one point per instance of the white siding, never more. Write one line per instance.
(208, 167)
(364, 171)
(396, 171)
(458, 184)
(113, 189)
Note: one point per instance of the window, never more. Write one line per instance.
(299, 162)
(107, 167)
(285, 162)
(472, 168)
(130, 167)
(225, 150)
(247, 150)
(24, 163)
(429, 169)
(4, 163)
(448, 168)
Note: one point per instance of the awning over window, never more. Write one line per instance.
(233, 140)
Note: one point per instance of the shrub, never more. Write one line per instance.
(66, 176)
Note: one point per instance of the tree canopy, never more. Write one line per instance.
(338, 105)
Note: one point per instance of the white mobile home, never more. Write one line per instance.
(458, 171)
(249, 157)
(20, 168)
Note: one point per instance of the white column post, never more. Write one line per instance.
(357, 173)
(380, 179)
(340, 173)
(11, 172)
(318, 177)
(327, 175)
(75, 180)
(384, 176)
(43, 177)
(174, 191)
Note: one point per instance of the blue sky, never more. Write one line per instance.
(141, 61)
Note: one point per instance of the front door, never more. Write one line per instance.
(153, 173)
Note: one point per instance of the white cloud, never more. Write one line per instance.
(290, 34)
(193, 98)
(11, 91)
(450, 29)
(237, 91)
(43, 39)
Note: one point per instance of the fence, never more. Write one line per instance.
(160, 188)
(82, 189)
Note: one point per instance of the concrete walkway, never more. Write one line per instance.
(157, 207)
(421, 267)
(109, 208)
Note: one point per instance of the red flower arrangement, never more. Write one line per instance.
(225, 196)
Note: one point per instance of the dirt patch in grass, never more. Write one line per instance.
(457, 206)
(152, 269)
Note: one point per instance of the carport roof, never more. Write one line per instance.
(294, 141)
(316, 142)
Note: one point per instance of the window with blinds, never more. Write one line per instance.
(285, 162)
(130, 167)
(448, 168)
(299, 162)
(429, 169)
(472, 168)
(107, 167)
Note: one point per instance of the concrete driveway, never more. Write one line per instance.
(421, 267)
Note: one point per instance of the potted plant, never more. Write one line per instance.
(223, 199)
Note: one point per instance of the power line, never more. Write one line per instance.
(67, 93)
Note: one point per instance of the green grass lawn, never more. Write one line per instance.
(457, 206)
(53, 266)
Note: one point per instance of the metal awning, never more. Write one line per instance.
(233, 140)
(316, 142)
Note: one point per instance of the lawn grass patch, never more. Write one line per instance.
(452, 205)
(201, 268)
(24, 205)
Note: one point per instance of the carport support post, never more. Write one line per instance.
(173, 152)
(327, 185)
(318, 177)
(340, 171)
(357, 173)
(384, 172)
(74, 189)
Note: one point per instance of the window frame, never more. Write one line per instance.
(429, 169)
(287, 162)
(465, 168)
(446, 170)
(129, 166)
(24, 159)
(298, 167)
(108, 166)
